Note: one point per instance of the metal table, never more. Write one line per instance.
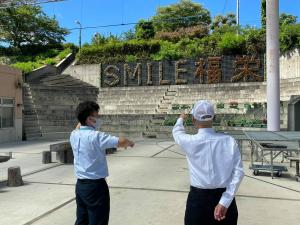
(276, 143)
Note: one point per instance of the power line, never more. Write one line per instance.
(13, 3)
(134, 23)
(225, 5)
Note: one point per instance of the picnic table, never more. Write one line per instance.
(274, 144)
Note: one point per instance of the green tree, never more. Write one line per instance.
(98, 39)
(287, 19)
(183, 14)
(289, 37)
(284, 19)
(255, 40)
(219, 21)
(29, 25)
(231, 44)
(128, 35)
(144, 29)
(263, 13)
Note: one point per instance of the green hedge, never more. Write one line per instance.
(28, 63)
(115, 51)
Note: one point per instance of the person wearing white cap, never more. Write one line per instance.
(215, 166)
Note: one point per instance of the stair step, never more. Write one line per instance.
(157, 121)
(150, 134)
(171, 93)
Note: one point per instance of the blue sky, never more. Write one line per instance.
(104, 12)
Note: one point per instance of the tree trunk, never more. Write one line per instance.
(14, 177)
(46, 157)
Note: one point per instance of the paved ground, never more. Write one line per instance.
(148, 186)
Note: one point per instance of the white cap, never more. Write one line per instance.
(203, 111)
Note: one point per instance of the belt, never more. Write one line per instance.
(89, 181)
(208, 191)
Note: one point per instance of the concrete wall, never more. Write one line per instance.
(290, 65)
(87, 73)
(174, 72)
(289, 69)
(9, 78)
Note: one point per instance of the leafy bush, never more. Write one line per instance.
(64, 53)
(116, 51)
(231, 44)
(168, 51)
(289, 37)
(27, 67)
(220, 105)
(255, 41)
(187, 32)
(49, 61)
(144, 30)
(131, 58)
(234, 105)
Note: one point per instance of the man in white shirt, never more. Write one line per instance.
(90, 165)
(215, 166)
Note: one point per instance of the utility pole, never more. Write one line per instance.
(80, 29)
(273, 78)
(238, 15)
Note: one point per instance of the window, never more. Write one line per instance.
(6, 112)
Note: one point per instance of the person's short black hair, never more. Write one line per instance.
(85, 109)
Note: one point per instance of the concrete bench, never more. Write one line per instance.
(64, 153)
(4, 158)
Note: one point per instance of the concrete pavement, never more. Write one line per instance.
(148, 185)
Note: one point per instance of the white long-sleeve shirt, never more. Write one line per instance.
(89, 148)
(214, 160)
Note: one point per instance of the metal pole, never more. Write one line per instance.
(238, 15)
(273, 80)
(80, 29)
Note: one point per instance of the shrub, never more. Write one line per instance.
(233, 105)
(168, 51)
(255, 41)
(131, 58)
(49, 61)
(220, 105)
(116, 51)
(231, 44)
(184, 32)
(63, 54)
(27, 67)
(289, 37)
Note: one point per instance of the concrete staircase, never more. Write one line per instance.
(50, 103)
(166, 101)
(130, 100)
(31, 125)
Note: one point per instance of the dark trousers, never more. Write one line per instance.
(93, 203)
(201, 204)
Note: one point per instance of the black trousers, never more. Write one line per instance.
(93, 202)
(201, 204)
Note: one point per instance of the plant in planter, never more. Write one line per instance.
(257, 105)
(220, 105)
(185, 107)
(247, 106)
(233, 105)
(175, 107)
